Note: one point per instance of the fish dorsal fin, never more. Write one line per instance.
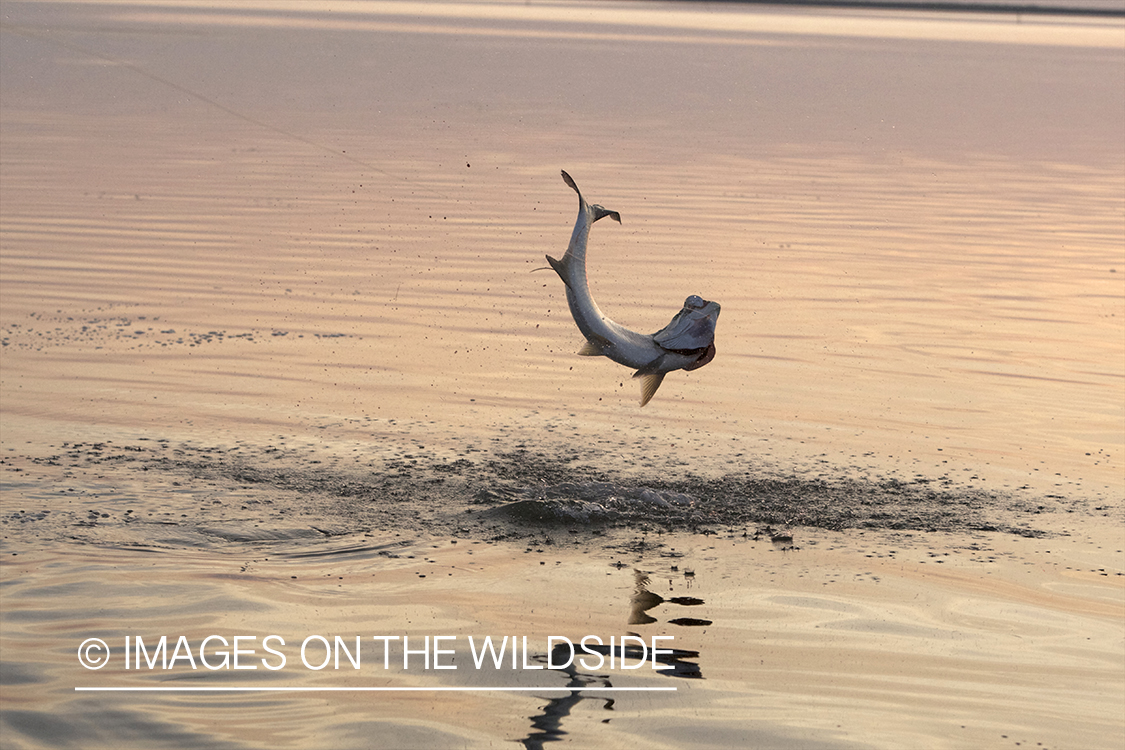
(649, 383)
(560, 268)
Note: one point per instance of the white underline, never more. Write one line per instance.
(200, 688)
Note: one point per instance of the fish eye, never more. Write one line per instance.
(694, 302)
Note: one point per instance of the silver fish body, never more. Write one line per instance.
(686, 343)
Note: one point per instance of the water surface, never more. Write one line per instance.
(273, 332)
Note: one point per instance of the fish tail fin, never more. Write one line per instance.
(600, 212)
(649, 383)
(596, 211)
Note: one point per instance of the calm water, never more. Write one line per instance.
(308, 239)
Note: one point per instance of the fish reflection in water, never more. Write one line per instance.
(678, 662)
(548, 723)
(644, 599)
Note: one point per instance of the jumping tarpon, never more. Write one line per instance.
(687, 343)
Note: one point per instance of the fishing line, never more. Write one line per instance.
(46, 36)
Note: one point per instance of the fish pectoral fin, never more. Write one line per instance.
(651, 375)
(651, 368)
(649, 383)
(594, 347)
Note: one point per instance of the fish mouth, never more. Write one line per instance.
(705, 356)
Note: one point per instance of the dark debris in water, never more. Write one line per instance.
(540, 490)
(156, 493)
(106, 329)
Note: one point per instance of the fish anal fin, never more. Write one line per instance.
(649, 383)
(594, 347)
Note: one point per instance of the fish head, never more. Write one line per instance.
(701, 307)
(692, 331)
(707, 355)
